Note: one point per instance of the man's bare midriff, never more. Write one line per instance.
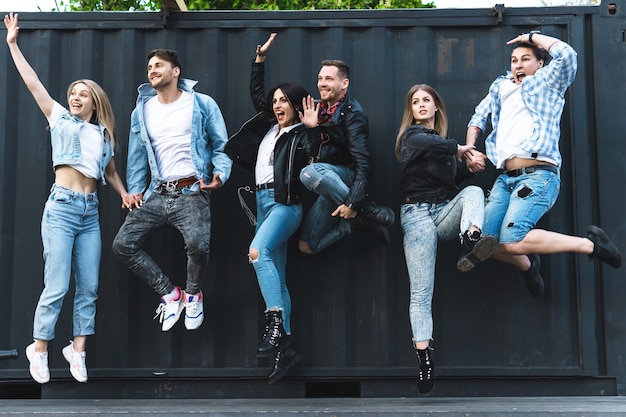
(516, 163)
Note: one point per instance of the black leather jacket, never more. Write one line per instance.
(429, 171)
(343, 141)
(291, 152)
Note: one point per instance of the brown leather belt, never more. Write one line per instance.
(183, 182)
(177, 185)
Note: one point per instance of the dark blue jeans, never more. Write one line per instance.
(320, 229)
(190, 214)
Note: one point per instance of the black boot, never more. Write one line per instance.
(532, 277)
(603, 248)
(384, 216)
(474, 249)
(285, 359)
(273, 334)
(426, 370)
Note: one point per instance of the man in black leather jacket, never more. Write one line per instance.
(339, 171)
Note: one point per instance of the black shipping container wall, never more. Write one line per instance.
(350, 303)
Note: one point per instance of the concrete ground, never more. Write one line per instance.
(603, 406)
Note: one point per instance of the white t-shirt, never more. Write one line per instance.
(264, 169)
(515, 125)
(91, 144)
(169, 129)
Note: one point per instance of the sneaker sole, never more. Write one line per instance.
(481, 252)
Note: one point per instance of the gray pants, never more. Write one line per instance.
(190, 214)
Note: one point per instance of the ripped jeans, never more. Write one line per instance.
(515, 204)
(423, 225)
(276, 223)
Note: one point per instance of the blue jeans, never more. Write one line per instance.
(515, 204)
(422, 225)
(190, 213)
(70, 233)
(276, 222)
(320, 229)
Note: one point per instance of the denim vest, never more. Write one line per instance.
(208, 138)
(65, 140)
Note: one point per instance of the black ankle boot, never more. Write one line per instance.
(285, 359)
(273, 334)
(426, 370)
(474, 249)
(532, 276)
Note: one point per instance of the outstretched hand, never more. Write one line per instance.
(261, 50)
(309, 117)
(10, 21)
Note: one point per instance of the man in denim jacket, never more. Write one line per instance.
(524, 108)
(175, 159)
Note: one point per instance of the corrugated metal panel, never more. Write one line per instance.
(349, 303)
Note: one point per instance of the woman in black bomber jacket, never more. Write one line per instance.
(433, 208)
(274, 145)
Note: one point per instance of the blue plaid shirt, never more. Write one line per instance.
(544, 97)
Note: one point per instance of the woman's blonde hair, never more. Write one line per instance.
(104, 112)
(441, 115)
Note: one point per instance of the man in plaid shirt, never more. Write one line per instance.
(524, 108)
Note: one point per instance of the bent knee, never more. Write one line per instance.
(253, 255)
(475, 191)
(119, 246)
(310, 177)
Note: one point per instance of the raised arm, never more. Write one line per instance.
(257, 78)
(261, 50)
(39, 92)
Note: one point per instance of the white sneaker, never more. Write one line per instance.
(194, 311)
(169, 311)
(78, 369)
(38, 364)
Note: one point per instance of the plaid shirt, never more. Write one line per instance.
(544, 97)
(326, 113)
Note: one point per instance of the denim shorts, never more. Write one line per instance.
(515, 204)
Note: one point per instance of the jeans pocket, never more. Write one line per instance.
(60, 197)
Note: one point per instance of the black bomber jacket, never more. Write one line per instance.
(429, 171)
(291, 152)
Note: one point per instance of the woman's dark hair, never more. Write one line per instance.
(169, 55)
(294, 92)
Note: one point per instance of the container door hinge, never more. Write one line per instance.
(498, 11)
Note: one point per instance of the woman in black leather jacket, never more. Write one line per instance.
(433, 208)
(274, 145)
